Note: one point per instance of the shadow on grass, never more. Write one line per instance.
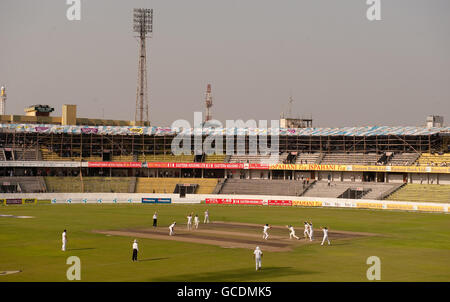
(238, 275)
(153, 259)
(82, 249)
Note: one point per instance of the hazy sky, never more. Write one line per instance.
(341, 68)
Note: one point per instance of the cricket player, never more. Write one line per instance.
(292, 233)
(258, 255)
(265, 234)
(64, 241)
(325, 236)
(135, 250)
(311, 231)
(155, 219)
(189, 222)
(206, 216)
(171, 227)
(196, 221)
(306, 231)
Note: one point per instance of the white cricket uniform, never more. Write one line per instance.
(306, 232)
(265, 234)
(258, 254)
(196, 222)
(189, 222)
(311, 232)
(292, 234)
(171, 232)
(206, 217)
(325, 236)
(64, 241)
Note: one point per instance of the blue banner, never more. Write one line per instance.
(156, 200)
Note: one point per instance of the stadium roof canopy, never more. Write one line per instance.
(134, 130)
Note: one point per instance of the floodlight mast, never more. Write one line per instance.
(143, 25)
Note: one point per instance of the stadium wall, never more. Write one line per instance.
(61, 198)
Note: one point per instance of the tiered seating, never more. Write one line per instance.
(307, 158)
(427, 159)
(349, 159)
(262, 187)
(91, 184)
(122, 158)
(321, 189)
(167, 185)
(165, 158)
(214, 158)
(403, 159)
(26, 154)
(27, 184)
(49, 155)
(422, 193)
(254, 159)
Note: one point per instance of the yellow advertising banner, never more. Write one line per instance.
(308, 167)
(399, 206)
(29, 200)
(361, 168)
(307, 203)
(431, 208)
(136, 130)
(369, 205)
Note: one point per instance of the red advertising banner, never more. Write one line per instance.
(218, 201)
(107, 164)
(239, 201)
(279, 202)
(248, 201)
(177, 165)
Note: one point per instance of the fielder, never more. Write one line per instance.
(258, 255)
(265, 234)
(171, 227)
(189, 222)
(325, 236)
(311, 231)
(64, 241)
(135, 251)
(306, 231)
(206, 216)
(292, 233)
(196, 221)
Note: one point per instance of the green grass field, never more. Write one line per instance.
(411, 246)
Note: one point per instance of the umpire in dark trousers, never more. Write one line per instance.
(155, 219)
(135, 250)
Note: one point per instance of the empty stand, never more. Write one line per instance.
(26, 184)
(422, 193)
(427, 159)
(167, 185)
(214, 158)
(256, 159)
(165, 158)
(308, 158)
(403, 159)
(89, 184)
(321, 189)
(262, 187)
(349, 159)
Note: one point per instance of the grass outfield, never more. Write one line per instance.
(411, 246)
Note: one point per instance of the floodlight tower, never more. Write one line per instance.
(2, 100)
(143, 25)
(208, 103)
